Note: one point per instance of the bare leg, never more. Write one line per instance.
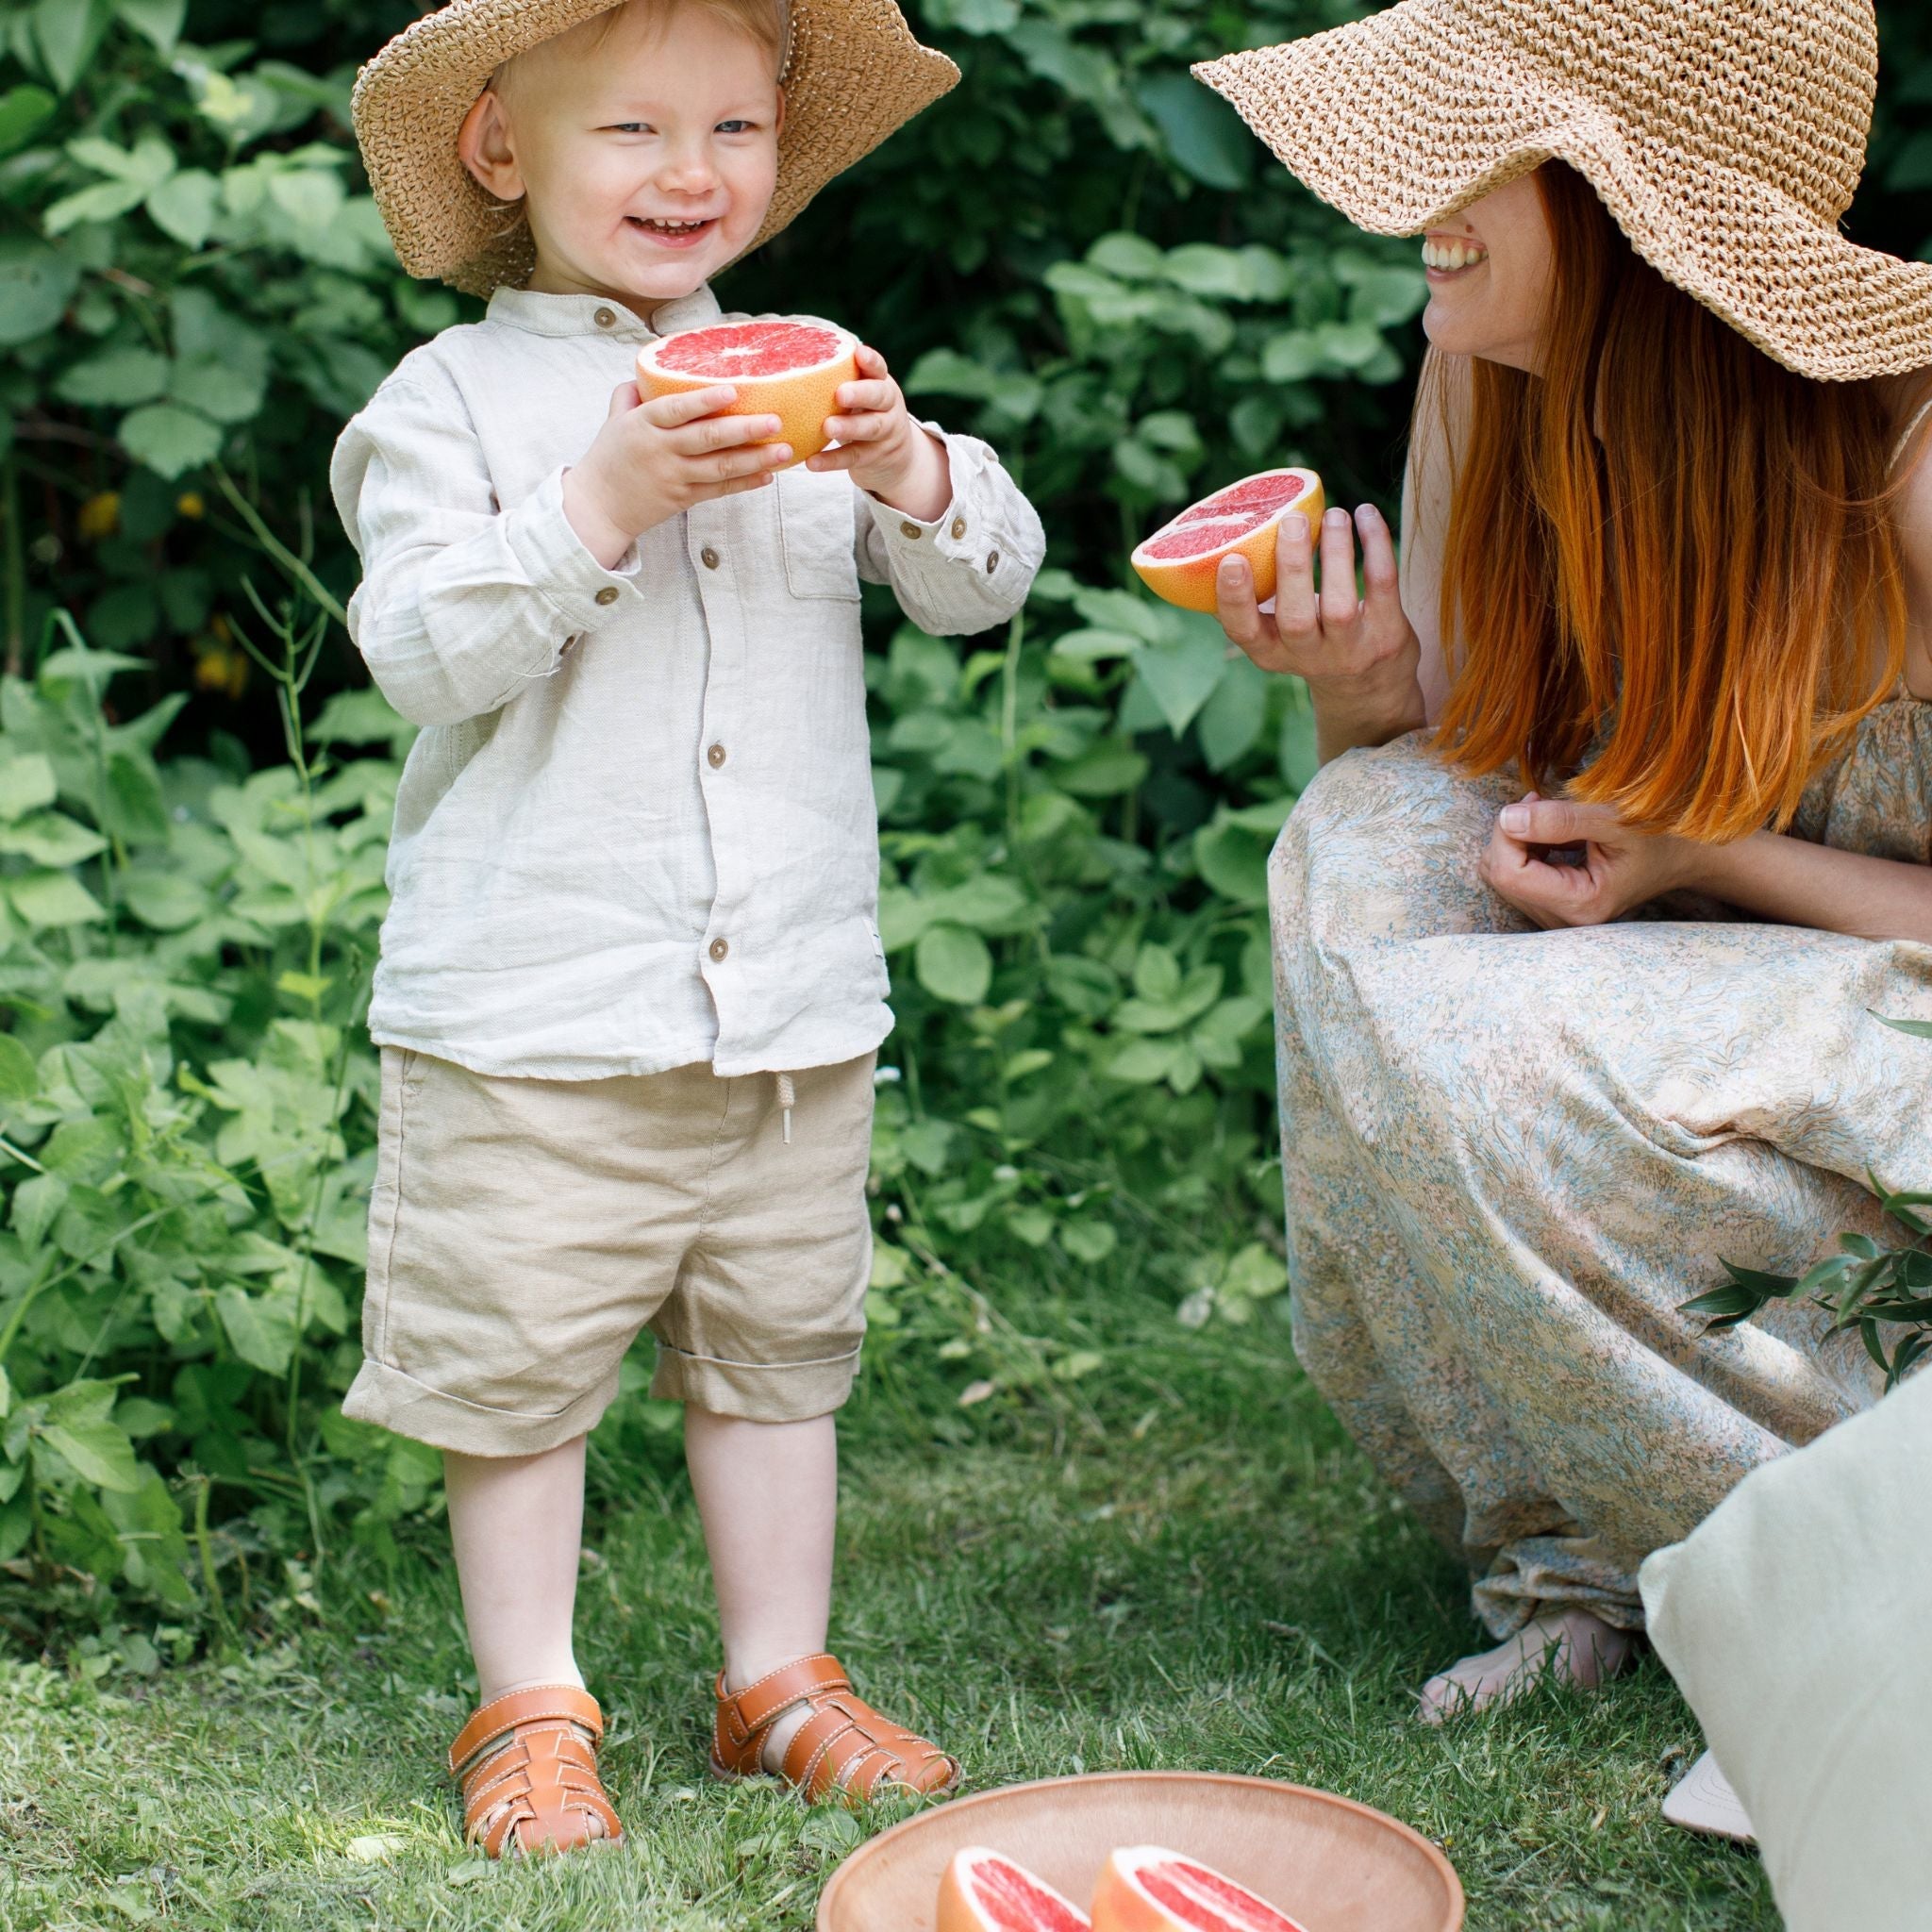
(767, 1494)
(1570, 1646)
(517, 1522)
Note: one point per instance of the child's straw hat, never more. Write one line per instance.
(1724, 136)
(852, 72)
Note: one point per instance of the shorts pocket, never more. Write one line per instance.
(817, 534)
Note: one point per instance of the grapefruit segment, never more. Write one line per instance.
(787, 368)
(983, 1891)
(1149, 1889)
(1179, 561)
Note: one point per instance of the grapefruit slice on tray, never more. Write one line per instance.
(1149, 1889)
(1179, 561)
(983, 1891)
(790, 369)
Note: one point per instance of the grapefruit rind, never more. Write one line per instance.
(984, 1891)
(801, 394)
(1240, 519)
(1150, 1889)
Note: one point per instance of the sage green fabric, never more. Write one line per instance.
(1795, 1620)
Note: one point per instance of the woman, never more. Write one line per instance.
(1623, 835)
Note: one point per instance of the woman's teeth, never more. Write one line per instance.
(1451, 256)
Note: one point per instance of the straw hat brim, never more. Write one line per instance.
(1400, 124)
(853, 73)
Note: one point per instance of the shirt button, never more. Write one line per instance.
(993, 561)
(958, 527)
(607, 318)
(607, 594)
(716, 755)
(719, 948)
(912, 530)
(708, 556)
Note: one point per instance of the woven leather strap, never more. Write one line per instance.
(529, 1767)
(845, 1748)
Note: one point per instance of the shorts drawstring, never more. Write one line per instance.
(788, 1096)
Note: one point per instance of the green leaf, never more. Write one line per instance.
(23, 110)
(52, 899)
(1921, 1029)
(1088, 1240)
(1204, 133)
(260, 1328)
(184, 206)
(954, 964)
(27, 784)
(68, 31)
(227, 391)
(101, 203)
(117, 378)
(1158, 976)
(97, 1452)
(20, 1078)
(51, 838)
(159, 21)
(1106, 768)
(171, 441)
(1182, 675)
(37, 1203)
(311, 196)
(134, 809)
(36, 283)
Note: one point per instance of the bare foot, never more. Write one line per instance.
(1570, 1646)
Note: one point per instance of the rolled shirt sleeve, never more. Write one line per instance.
(972, 566)
(463, 602)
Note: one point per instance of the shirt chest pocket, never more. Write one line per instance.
(816, 533)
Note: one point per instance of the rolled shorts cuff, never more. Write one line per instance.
(754, 1391)
(391, 1400)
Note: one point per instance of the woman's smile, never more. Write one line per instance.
(1448, 256)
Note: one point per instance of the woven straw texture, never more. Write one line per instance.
(1724, 136)
(853, 73)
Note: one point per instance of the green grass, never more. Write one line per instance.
(1186, 1566)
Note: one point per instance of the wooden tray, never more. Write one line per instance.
(1335, 1865)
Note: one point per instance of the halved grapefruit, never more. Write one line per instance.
(1148, 1888)
(983, 1891)
(787, 369)
(1178, 562)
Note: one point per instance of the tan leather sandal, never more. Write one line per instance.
(528, 1765)
(844, 1749)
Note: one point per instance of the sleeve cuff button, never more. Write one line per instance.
(607, 594)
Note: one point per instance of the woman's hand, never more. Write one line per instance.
(1619, 868)
(1359, 654)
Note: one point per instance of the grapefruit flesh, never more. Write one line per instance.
(791, 370)
(983, 1891)
(1179, 561)
(1149, 1889)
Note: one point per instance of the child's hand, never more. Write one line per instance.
(884, 450)
(652, 460)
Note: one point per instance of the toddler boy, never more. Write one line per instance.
(631, 985)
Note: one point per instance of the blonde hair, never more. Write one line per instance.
(766, 23)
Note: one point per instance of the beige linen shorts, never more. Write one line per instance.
(521, 1232)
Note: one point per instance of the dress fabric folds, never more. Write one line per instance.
(1511, 1155)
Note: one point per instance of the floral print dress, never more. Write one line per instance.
(1511, 1155)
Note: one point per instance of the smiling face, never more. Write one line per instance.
(1490, 272)
(643, 145)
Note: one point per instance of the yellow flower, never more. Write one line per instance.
(190, 504)
(100, 516)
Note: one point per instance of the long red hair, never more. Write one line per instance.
(1714, 588)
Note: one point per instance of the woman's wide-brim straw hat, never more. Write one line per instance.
(1725, 137)
(852, 72)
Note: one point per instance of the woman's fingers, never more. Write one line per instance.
(1557, 822)
(1234, 605)
(1382, 582)
(1295, 611)
(1339, 601)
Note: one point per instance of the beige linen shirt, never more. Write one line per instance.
(638, 828)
